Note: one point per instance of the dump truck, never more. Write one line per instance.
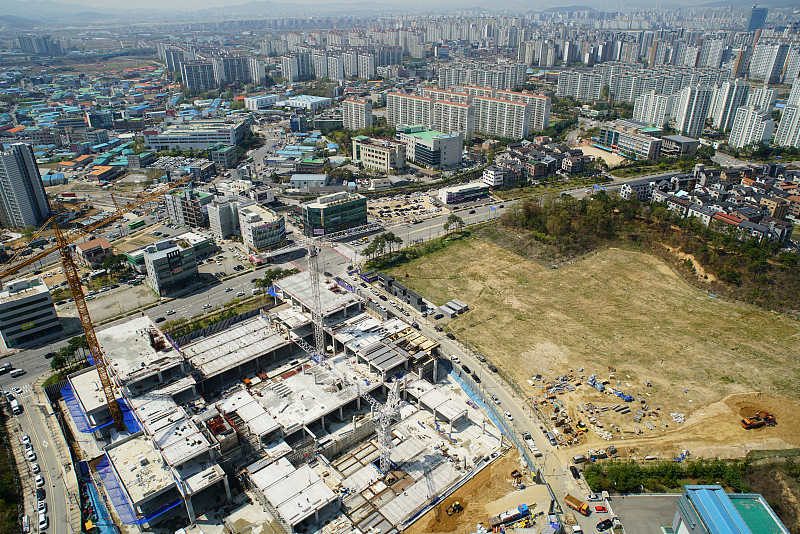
(577, 504)
(510, 515)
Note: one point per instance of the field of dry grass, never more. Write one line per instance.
(615, 308)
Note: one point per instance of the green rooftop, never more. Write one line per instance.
(428, 135)
(755, 514)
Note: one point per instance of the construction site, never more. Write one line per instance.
(312, 416)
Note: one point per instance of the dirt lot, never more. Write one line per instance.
(705, 357)
(613, 160)
(487, 494)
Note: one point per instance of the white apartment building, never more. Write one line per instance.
(540, 107)
(794, 95)
(767, 62)
(751, 125)
(336, 68)
(583, 86)
(502, 118)
(652, 108)
(366, 66)
(447, 96)
(762, 97)
(692, 109)
(262, 229)
(319, 62)
(356, 114)
(452, 117)
(379, 154)
(728, 97)
(788, 133)
(475, 90)
(254, 103)
(408, 109)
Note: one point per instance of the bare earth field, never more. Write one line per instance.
(627, 314)
(613, 160)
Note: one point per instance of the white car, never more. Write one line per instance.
(495, 399)
(26, 439)
(509, 416)
(455, 359)
(170, 312)
(42, 507)
(206, 306)
(35, 468)
(30, 455)
(39, 481)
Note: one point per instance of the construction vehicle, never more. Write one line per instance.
(63, 246)
(577, 504)
(508, 516)
(454, 508)
(760, 419)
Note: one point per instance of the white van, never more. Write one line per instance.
(43, 522)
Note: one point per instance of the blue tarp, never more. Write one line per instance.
(118, 497)
(128, 417)
(78, 415)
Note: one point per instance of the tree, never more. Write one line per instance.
(453, 222)
(114, 262)
(28, 231)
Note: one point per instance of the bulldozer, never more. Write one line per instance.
(760, 419)
(454, 508)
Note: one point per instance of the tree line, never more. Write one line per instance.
(757, 272)
(631, 477)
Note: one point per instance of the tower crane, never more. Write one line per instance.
(63, 246)
(384, 412)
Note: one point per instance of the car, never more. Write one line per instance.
(466, 368)
(35, 468)
(492, 368)
(438, 316)
(601, 509)
(509, 416)
(476, 378)
(240, 294)
(450, 336)
(605, 524)
(495, 399)
(455, 359)
(575, 473)
(40, 494)
(39, 481)
(438, 328)
(501, 206)
(206, 306)
(43, 522)
(49, 355)
(228, 289)
(161, 319)
(594, 497)
(170, 312)
(28, 446)
(471, 212)
(61, 302)
(17, 391)
(382, 297)
(481, 358)
(424, 314)
(42, 508)
(26, 439)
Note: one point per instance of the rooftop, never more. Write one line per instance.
(22, 288)
(87, 387)
(332, 297)
(255, 213)
(333, 198)
(139, 467)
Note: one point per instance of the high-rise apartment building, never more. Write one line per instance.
(751, 125)
(728, 97)
(767, 62)
(651, 108)
(356, 114)
(23, 201)
(198, 76)
(454, 117)
(692, 109)
(762, 97)
(366, 66)
(408, 109)
(501, 118)
(788, 133)
(540, 107)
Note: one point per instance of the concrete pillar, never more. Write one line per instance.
(354, 423)
(190, 509)
(341, 413)
(435, 370)
(227, 488)
(358, 403)
(322, 422)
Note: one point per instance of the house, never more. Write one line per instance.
(92, 253)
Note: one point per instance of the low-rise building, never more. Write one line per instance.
(710, 509)
(188, 207)
(254, 103)
(27, 313)
(679, 145)
(430, 148)
(171, 265)
(493, 176)
(198, 135)
(223, 216)
(630, 140)
(141, 160)
(308, 181)
(223, 156)
(92, 253)
(334, 213)
(308, 102)
(463, 192)
(262, 229)
(379, 154)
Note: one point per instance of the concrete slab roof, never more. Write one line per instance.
(128, 350)
(332, 296)
(257, 419)
(140, 468)
(87, 387)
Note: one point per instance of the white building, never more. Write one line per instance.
(309, 102)
(728, 97)
(767, 61)
(493, 176)
(366, 66)
(408, 109)
(788, 133)
(501, 118)
(762, 97)
(540, 107)
(751, 125)
(430, 148)
(583, 86)
(254, 103)
(356, 114)
(262, 229)
(27, 313)
(463, 192)
(198, 135)
(454, 117)
(692, 109)
(379, 154)
(652, 108)
(223, 216)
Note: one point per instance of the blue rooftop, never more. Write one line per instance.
(716, 510)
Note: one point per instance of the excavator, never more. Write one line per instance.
(760, 419)
(454, 508)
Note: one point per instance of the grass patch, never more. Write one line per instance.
(182, 327)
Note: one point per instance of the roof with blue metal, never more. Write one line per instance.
(716, 510)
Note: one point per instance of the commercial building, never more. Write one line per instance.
(261, 228)
(170, 264)
(308, 102)
(223, 156)
(501, 118)
(141, 160)
(678, 145)
(198, 135)
(751, 125)
(629, 138)
(463, 192)
(430, 148)
(356, 114)
(27, 313)
(334, 213)
(493, 176)
(188, 207)
(223, 216)
(379, 154)
(756, 18)
(692, 109)
(254, 103)
(23, 201)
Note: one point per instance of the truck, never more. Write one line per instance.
(510, 515)
(531, 445)
(571, 524)
(577, 504)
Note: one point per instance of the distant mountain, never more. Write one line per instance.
(748, 3)
(10, 22)
(45, 9)
(568, 9)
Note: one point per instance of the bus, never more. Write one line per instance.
(136, 224)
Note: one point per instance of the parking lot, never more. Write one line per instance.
(403, 208)
(176, 162)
